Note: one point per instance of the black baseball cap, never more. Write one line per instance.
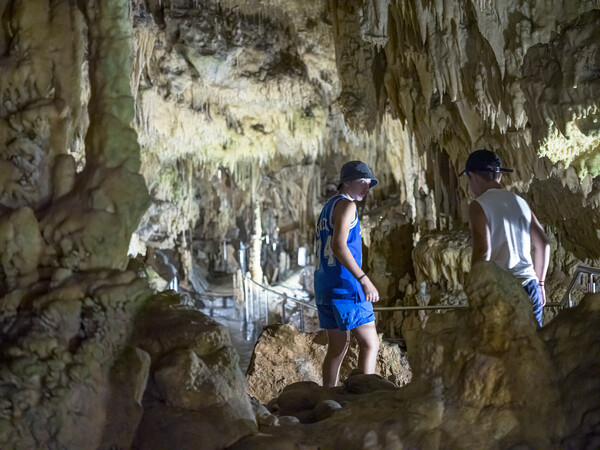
(484, 161)
(353, 170)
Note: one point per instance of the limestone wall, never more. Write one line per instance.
(503, 75)
(66, 300)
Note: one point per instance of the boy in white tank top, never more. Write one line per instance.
(503, 228)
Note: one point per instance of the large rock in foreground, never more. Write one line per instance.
(63, 383)
(485, 377)
(573, 340)
(284, 355)
(196, 397)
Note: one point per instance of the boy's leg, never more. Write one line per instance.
(337, 346)
(368, 342)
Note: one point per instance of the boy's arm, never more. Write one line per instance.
(480, 234)
(541, 256)
(343, 216)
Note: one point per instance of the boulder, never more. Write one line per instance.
(572, 339)
(128, 380)
(283, 355)
(196, 396)
(484, 377)
(169, 427)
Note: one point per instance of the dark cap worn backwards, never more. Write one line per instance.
(354, 170)
(484, 161)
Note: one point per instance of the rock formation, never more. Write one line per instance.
(482, 377)
(572, 343)
(196, 395)
(213, 132)
(66, 301)
(283, 356)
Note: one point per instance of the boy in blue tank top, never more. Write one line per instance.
(343, 292)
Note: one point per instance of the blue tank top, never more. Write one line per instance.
(332, 280)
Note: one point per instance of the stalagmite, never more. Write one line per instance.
(254, 259)
(58, 265)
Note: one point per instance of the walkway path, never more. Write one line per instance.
(219, 304)
(242, 339)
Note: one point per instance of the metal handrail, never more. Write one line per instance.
(282, 294)
(591, 271)
(375, 309)
(418, 308)
(580, 270)
(566, 300)
(304, 304)
(249, 304)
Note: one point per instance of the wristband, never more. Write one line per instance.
(540, 283)
(361, 277)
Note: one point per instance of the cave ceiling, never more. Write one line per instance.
(244, 89)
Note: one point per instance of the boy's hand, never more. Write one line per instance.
(371, 292)
(543, 295)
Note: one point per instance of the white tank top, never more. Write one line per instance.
(509, 217)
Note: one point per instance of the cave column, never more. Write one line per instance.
(256, 242)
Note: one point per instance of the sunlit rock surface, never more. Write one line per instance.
(283, 355)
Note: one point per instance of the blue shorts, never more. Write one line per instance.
(345, 314)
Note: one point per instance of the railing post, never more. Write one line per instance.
(255, 308)
(570, 299)
(591, 284)
(251, 301)
(283, 308)
(302, 318)
(260, 300)
(267, 308)
(246, 313)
